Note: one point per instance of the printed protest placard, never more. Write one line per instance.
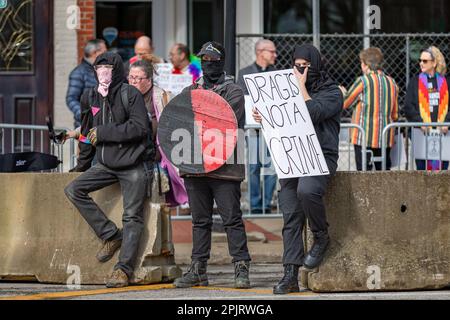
(286, 124)
(173, 83)
(432, 146)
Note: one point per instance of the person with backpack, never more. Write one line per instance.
(115, 128)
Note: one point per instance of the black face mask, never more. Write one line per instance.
(313, 75)
(212, 70)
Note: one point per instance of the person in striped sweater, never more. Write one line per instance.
(374, 100)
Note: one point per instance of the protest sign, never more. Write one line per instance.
(286, 124)
(432, 146)
(173, 83)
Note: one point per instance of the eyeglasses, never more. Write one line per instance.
(271, 51)
(135, 79)
(209, 58)
(425, 61)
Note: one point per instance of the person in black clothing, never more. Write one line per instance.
(302, 198)
(83, 78)
(118, 129)
(221, 185)
(427, 98)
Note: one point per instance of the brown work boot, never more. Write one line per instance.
(118, 279)
(108, 250)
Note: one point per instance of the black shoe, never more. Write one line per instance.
(289, 283)
(241, 271)
(195, 276)
(317, 252)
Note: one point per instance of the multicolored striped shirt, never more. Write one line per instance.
(375, 99)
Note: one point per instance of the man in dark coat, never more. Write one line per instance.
(221, 185)
(302, 198)
(117, 131)
(83, 78)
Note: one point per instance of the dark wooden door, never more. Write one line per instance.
(26, 62)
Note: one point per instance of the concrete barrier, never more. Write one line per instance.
(43, 237)
(389, 231)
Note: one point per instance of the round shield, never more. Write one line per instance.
(197, 131)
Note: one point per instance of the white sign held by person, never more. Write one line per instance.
(173, 83)
(432, 146)
(286, 124)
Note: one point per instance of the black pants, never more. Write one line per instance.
(202, 192)
(376, 153)
(302, 198)
(133, 183)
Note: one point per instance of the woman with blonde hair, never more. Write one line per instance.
(427, 98)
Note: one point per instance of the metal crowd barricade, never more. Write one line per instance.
(364, 151)
(17, 144)
(409, 147)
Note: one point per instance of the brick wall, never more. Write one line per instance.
(87, 24)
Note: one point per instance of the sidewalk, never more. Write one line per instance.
(264, 242)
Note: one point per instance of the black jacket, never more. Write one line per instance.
(122, 130)
(233, 94)
(412, 111)
(253, 68)
(325, 109)
(81, 79)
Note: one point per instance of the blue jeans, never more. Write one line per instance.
(256, 197)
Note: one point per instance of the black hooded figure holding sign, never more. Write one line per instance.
(302, 198)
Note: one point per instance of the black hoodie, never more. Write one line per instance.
(121, 129)
(326, 102)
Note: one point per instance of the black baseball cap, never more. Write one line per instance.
(213, 49)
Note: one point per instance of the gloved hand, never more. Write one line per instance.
(92, 136)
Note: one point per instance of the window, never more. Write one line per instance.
(121, 23)
(16, 36)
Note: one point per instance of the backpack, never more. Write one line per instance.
(150, 150)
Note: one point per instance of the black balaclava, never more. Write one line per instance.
(213, 71)
(317, 74)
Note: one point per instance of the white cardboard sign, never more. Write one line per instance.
(432, 146)
(173, 83)
(286, 124)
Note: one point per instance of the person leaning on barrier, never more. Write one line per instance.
(374, 98)
(83, 77)
(116, 125)
(222, 185)
(266, 54)
(427, 98)
(302, 198)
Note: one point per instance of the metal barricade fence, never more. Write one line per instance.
(345, 153)
(409, 142)
(23, 138)
(341, 52)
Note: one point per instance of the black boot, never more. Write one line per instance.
(195, 276)
(289, 283)
(317, 252)
(241, 271)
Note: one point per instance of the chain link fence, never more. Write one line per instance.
(341, 53)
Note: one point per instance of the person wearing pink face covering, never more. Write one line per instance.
(116, 130)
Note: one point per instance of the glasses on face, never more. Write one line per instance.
(135, 79)
(271, 51)
(424, 61)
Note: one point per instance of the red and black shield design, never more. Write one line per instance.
(197, 131)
